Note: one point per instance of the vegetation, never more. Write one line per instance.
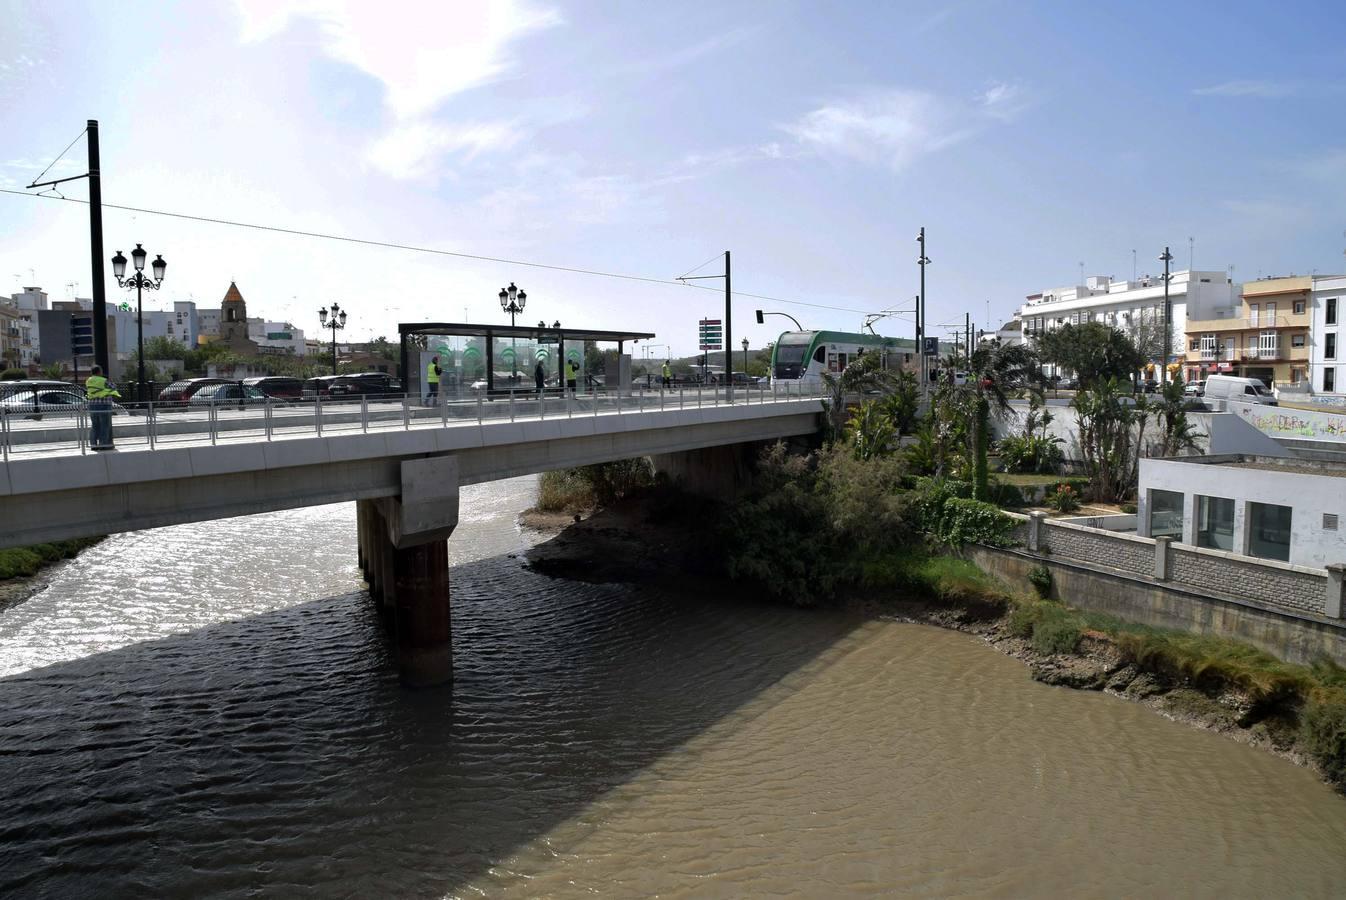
(871, 431)
(13, 375)
(21, 562)
(1176, 434)
(1041, 578)
(1112, 431)
(863, 375)
(587, 487)
(1093, 351)
(1064, 499)
(1034, 450)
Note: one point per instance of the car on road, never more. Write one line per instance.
(1149, 386)
(231, 394)
(1195, 388)
(49, 402)
(180, 392)
(32, 385)
(278, 387)
(372, 384)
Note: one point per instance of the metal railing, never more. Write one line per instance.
(30, 430)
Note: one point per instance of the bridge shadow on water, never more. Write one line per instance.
(278, 755)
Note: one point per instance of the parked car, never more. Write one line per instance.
(32, 385)
(1245, 390)
(49, 402)
(1149, 386)
(233, 393)
(372, 384)
(180, 392)
(1195, 388)
(318, 388)
(278, 387)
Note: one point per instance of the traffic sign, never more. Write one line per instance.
(710, 334)
(931, 347)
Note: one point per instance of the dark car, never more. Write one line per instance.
(319, 388)
(179, 392)
(372, 384)
(277, 387)
(231, 394)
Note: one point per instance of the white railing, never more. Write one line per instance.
(35, 430)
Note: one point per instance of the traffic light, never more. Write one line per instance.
(759, 317)
(81, 336)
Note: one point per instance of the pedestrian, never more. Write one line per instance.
(101, 393)
(540, 377)
(432, 373)
(668, 375)
(572, 376)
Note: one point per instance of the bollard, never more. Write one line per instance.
(1036, 522)
(1163, 549)
(1335, 573)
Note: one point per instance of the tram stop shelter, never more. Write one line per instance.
(498, 360)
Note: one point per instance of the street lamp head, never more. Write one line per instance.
(523, 298)
(556, 324)
(1165, 256)
(159, 267)
(513, 291)
(119, 265)
(343, 316)
(138, 258)
(504, 299)
(322, 315)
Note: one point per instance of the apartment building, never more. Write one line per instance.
(1327, 357)
(1265, 335)
(1135, 307)
(9, 336)
(29, 302)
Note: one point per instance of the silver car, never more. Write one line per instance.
(51, 402)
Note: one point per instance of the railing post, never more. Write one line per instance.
(151, 424)
(82, 427)
(4, 425)
(364, 413)
(266, 418)
(214, 422)
(1335, 573)
(1162, 558)
(317, 413)
(511, 406)
(444, 414)
(479, 409)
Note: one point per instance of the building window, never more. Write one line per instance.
(1330, 346)
(1269, 531)
(1297, 340)
(1252, 314)
(1329, 379)
(1299, 307)
(1215, 523)
(1166, 514)
(1331, 310)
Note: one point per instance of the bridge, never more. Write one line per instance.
(402, 463)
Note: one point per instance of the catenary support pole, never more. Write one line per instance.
(100, 348)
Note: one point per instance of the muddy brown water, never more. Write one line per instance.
(211, 711)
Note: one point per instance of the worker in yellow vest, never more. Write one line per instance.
(668, 374)
(572, 376)
(432, 373)
(101, 393)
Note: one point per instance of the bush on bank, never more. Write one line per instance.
(22, 562)
(587, 487)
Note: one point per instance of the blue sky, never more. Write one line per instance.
(811, 139)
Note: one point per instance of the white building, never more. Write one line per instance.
(30, 301)
(1285, 509)
(177, 324)
(277, 337)
(1008, 334)
(1327, 356)
(208, 324)
(1135, 307)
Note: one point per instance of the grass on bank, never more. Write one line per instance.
(22, 562)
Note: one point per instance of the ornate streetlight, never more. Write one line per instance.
(1166, 258)
(512, 301)
(140, 283)
(337, 322)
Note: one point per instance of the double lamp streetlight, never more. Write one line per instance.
(337, 322)
(140, 283)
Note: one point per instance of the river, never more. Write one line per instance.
(211, 711)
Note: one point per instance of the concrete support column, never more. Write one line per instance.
(424, 635)
(1162, 556)
(1036, 533)
(1335, 574)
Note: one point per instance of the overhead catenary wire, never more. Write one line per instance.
(392, 245)
(53, 163)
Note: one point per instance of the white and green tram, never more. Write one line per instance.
(801, 357)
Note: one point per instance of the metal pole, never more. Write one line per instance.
(1168, 318)
(140, 339)
(334, 363)
(728, 333)
(100, 348)
(920, 316)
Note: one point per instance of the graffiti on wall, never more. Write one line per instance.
(1296, 423)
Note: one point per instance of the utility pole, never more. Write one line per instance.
(728, 331)
(923, 261)
(967, 341)
(1166, 258)
(100, 349)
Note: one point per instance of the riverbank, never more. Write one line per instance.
(26, 570)
(1213, 684)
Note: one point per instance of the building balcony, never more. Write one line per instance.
(1250, 323)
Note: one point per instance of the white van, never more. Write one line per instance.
(1243, 390)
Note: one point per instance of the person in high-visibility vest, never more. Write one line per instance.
(572, 375)
(432, 373)
(668, 374)
(101, 393)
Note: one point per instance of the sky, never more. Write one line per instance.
(812, 140)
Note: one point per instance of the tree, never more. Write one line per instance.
(1177, 434)
(1112, 431)
(865, 373)
(1093, 351)
(994, 371)
(870, 432)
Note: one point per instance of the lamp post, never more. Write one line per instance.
(1166, 258)
(512, 301)
(140, 283)
(336, 323)
(921, 261)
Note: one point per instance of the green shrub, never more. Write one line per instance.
(18, 562)
(1041, 578)
(1211, 661)
(13, 375)
(954, 580)
(967, 521)
(1010, 495)
(573, 490)
(1064, 499)
(1023, 617)
(1128, 508)
(1057, 632)
(1322, 732)
(1031, 453)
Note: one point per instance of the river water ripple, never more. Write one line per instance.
(211, 711)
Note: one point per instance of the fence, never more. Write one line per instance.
(1212, 572)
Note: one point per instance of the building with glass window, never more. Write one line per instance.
(1264, 334)
(1135, 307)
(1286, 509)
(1327, 359)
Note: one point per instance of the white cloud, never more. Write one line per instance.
(1247, 88)
(1003, 101)
(410, 150)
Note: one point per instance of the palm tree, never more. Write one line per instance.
(994, 371)
(865, 373)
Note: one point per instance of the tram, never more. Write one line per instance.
(801, 357)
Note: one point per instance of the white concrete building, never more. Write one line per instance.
(1285, 509)
(29, 302)
(277, 337)
(1327, 356)
(1008, 334)
(177, 324)
(1135, 307)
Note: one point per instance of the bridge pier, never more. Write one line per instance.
(404, 553)
(720, 472)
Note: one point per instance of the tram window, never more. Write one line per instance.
(821, 355)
